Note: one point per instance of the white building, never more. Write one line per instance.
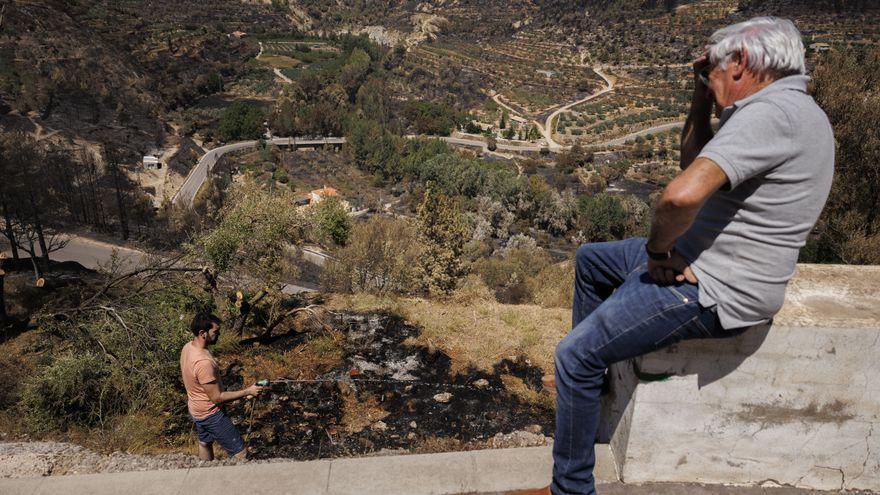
(152, 163)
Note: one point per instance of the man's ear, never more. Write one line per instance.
(738, 64)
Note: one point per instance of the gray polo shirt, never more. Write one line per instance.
(777, 150)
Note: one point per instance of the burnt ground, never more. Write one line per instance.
(380, 374)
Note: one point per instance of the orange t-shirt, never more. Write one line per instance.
(198, 367)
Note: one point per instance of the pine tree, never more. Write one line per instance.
(443, 233)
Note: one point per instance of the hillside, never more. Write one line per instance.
(104, 71)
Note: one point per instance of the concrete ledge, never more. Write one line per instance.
(429, 474)
(794, 404)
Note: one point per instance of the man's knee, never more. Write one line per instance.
(584, 254)
(574, 357)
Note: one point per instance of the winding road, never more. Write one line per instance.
(276, 70)
(98, 255)
(199, 173)
(545, 127)
(548, 127)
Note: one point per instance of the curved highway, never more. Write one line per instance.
(199, 173)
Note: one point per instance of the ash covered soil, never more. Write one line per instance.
(384, 397)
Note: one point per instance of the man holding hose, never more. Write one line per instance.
(205, 391)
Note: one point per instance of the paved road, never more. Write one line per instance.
(545, 127)
(479, 143)
(513, 113)
(474, 472)
(95, 254)
(199, 173)
(98, 255)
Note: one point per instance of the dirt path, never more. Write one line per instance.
(549, 126)
(546, 127)
(277, 71)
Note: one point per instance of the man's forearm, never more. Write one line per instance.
(231, 396)
(697, 128)
(670, 222)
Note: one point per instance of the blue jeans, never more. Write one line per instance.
(619, 313)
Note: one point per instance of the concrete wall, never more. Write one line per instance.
(795, 403)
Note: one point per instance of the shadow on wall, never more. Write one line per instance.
(709, 359)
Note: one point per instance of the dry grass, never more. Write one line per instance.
(305, 361)
(18, 361)
(480, 333)
(359, 414)
(136, 433)
(279, 61)
(518, 387)
(433, 445)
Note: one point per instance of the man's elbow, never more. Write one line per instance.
(674, 199)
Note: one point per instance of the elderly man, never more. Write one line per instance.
(725, 236)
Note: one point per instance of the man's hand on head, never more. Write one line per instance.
(701, 66)
(675, 270)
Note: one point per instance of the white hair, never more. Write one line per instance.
(773, 46)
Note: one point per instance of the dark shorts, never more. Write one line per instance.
(218, 427)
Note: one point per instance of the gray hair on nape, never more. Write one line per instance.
(773, 46)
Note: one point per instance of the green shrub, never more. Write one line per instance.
(382, 257)
(603, 216)
(122, 357)
(509, 275)
(241, 121)
(77, 388)
(331, 221)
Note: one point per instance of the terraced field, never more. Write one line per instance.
(644, 98)
(530, 74)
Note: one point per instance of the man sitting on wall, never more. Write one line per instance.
(725, 236)
(205, 391)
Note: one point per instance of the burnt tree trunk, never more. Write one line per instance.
(3, 316)
(38, 273)
(9, 235)
(38, 227)
(120, 203)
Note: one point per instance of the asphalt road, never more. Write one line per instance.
(199, 173)
(95, 254)
(99, 255)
